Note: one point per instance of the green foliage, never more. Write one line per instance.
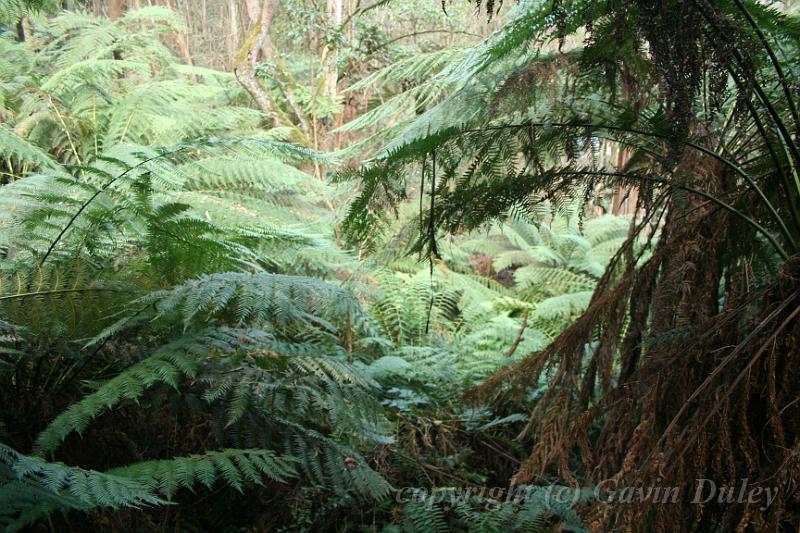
(258, 298)
(167, 365)
(517, 125)
(233, 467)
(31, 488)
(93, 84)
(148, 245)
(170, 275)
(697, 100)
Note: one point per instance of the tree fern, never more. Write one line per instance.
(32, 488)
(231, 466)
(17, 150)
(167, 365)
(96, 88)
(257, 298)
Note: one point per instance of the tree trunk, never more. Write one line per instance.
(245, 61)
(254, 16)
(115, 9)
(332, 74)
(624, 196)
(253, 10)
(233, 36)
(181, 37)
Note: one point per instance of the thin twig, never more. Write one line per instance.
(519, 336)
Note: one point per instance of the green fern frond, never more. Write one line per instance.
(169, 364)
(231, 466)
(17, 149)
(31, 488)
(552, 279)
(254, 298)
(562, 306)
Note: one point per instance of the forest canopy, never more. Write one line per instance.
(283, 265)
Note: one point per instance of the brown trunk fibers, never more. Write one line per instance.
(677, 388)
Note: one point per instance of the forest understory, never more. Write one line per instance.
(402, 266)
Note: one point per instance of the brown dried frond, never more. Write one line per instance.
(680, 387)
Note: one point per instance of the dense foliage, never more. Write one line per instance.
(544, 259)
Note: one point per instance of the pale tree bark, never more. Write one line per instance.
(625, 198)
(253, 9)
(233, 35)
(204, 22)
(244, 63)
(332, 71)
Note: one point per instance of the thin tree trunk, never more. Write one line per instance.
(253, 9)
(181, 37)
(233, 36)
(244, 64)
(332, 74)
(115, 9)
(204, 21)
(20, 31)
(623, 196)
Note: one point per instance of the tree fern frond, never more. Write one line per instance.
(254, 298)
(562, 306)
(231, 466)
(31, 488)
(553, 279)
(168, 365)
(15, 148)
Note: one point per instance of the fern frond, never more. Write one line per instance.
(15, 148)
(169, 364)
(231, 466)
(257, 298)
(553, 279)
(562, 306)
(31, 488)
